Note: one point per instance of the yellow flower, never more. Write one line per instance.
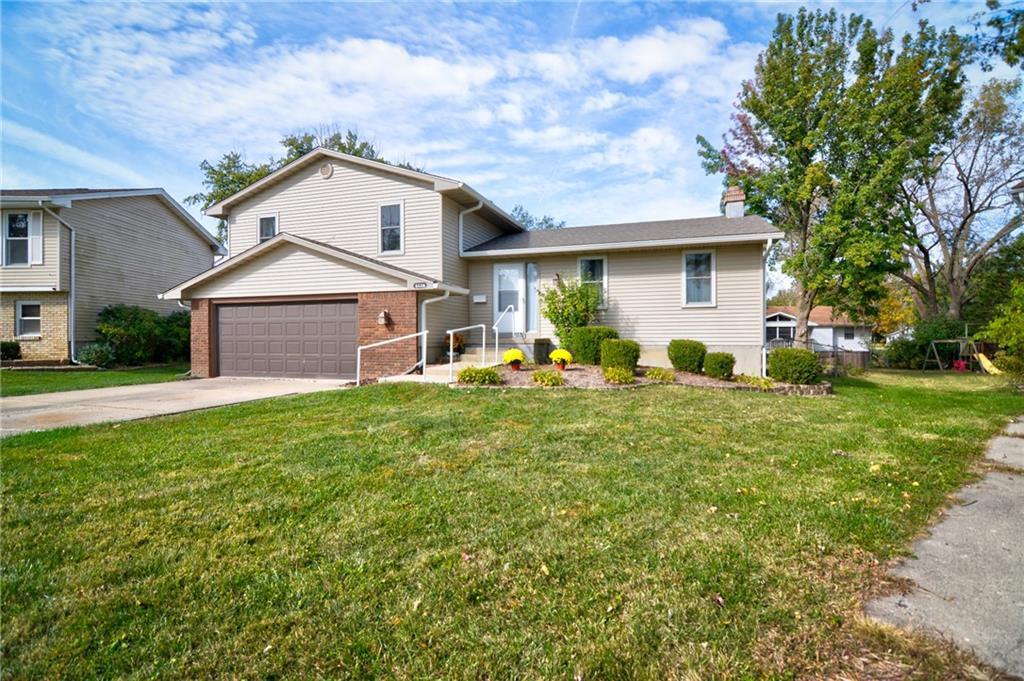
(560, 356)
(875, 467)
(513, 355)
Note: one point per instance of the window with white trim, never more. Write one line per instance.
(22, 237)
(29, 321)
(391, 228)
(594, 272)
(699, 278)
(268, 227)
(848, 333)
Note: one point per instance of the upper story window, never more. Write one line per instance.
(699, 278)
(23, 238)
(29, 319)
(594, 272)
(391, 237)
(268, 227)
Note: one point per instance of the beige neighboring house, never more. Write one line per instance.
(68, 253)
(333, 252)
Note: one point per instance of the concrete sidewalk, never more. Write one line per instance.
(125, 403)
(969, 573)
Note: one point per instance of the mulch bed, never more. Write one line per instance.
(586, 376)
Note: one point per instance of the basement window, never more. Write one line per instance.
(29, 320)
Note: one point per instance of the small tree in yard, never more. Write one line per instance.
(1007, 328)
(568, 304)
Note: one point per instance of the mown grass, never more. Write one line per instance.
(32, 382)
(407, 531)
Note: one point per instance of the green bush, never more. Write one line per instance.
(479, 376)
(903, 353)
(1010, 364)
(174, 339)
(687, 355)
(10, 350)
(660, 375)
(794, 365)
(549, 378)
(719, 364)
(585, 343)
(132, 332)
(619, 353)
(619, 376)
(761, 383)
(569, 304)
(96, 354)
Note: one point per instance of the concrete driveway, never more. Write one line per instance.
(125, 403)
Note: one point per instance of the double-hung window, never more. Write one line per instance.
(594, 272)
(268, 227)
(848, 333)
(29, 319)
(22, 237)
(391, 228)
(699, 279)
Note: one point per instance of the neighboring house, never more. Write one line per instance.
(68, 253)
(828, 329)
(332, 251)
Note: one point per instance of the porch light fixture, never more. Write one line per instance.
(384, 318)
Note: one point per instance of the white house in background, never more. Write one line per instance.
(828, 329)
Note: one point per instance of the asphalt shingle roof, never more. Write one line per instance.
(13, 193)
(629, 232)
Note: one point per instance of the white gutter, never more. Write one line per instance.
(625, 245)
(423, 325)
(71, 287)
(764, 308)
(463, 214)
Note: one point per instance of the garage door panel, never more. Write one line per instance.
(304, 339)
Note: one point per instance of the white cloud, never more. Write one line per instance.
(647, 150)
(603, 101)
(93, 165)
(556, 137)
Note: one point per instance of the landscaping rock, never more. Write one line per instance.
(1008, 451)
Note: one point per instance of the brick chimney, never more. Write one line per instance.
(734, 198)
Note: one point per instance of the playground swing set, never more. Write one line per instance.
(969, 358)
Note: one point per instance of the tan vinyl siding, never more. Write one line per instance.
(343, 211)
(44, 276)
(129, 250)
(290, 270)
(645, 295)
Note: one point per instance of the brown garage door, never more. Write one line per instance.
(296, 340)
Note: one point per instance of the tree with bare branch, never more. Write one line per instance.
(959, 210)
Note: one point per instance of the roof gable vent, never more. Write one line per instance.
(326, 170)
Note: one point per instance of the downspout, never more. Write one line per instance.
(71, 286)
(764, 309)
(423, 326)
(463, 214)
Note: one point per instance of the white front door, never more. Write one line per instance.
(509, 290)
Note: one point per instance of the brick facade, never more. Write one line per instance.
(202, 351)
(394, 358)
(52, 343)
(387, 360)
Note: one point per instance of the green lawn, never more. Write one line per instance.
(29, 382)
(412, 531)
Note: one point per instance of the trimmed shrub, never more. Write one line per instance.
(551, 379)
(619, 353)
(719, 364)
(619, 376)
(687, 355)
(479, 376)
(96, 354)
(660, 375)
(10, 350)
(585, 342)
(174, 339)
(902, 353)
(794, 365)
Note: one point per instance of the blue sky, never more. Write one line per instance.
(587, 111)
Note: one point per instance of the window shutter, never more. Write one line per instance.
(35, 237)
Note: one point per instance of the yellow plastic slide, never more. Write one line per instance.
(987, 365)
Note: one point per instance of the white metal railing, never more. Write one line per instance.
(494, 327)
(451, 347)
(359, 350)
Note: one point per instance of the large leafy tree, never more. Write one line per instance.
(1006, 39)
(233, 173)
(957, 209)
(822, 138)
(532, 222)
